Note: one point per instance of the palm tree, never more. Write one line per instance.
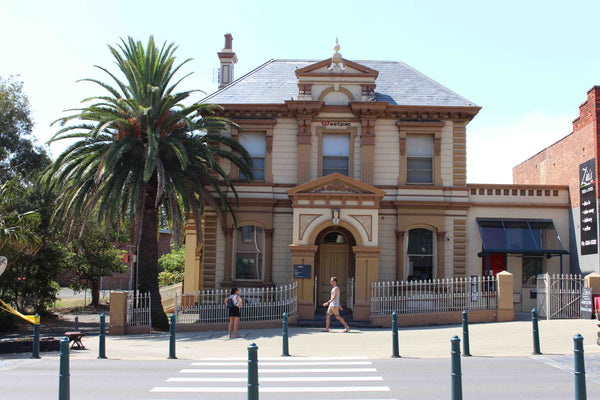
(140, 151)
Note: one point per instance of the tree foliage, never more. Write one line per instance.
(20, 156)
(173, 265)
(139, 149)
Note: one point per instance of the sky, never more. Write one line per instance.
(528, 64)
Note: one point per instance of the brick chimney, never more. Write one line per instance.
(228, 59)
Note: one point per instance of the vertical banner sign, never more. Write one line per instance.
(587, 207)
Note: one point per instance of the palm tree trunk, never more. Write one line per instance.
(148, 258)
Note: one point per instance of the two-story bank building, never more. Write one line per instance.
(360, 173)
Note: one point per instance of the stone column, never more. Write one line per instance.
(118, 313)
(400, 255)
(367, 272)
(227, 281)
(268, 256)
(192, 273)
(441, 236)
(506, 309)
(305, 254)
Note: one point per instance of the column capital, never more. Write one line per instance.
(366, 251)
(300, 250)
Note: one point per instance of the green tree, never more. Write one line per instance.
(173, 265)
(92, 257)
(139, 149)
(19, 154)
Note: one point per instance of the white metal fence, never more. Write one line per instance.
(260, 304)
(138, 310)
(559, 296)
(438, 295)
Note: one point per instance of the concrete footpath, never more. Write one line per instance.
(503, 339)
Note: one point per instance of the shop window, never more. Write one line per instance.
(336, 154)
(419, 159)
(249, 252)
(255, 144)
(420, 254)
(532, 267)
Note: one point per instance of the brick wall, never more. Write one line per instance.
(559, 163)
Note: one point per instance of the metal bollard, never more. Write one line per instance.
(456, 371)
(64, 391)
(35, 353)
(172, 338)
(76, 323)
(253, 372)
(580, 388)
(536, 333)
(465, 325)
(395, 347)
(284, 335)
(102, 337)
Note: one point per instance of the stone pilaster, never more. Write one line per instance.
(268, 256)
(366, 272)
(400, 255)
(227, 277)
(306, 301)
(441, 239)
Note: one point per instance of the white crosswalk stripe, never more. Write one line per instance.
(330, 376)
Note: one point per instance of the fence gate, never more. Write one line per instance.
(559, 295)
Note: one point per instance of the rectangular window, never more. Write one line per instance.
(532, 267)
(249, 247)
(256, 145)
(420, 254)
(336, 154)
(419, 159)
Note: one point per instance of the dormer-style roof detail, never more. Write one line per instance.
(336, 190)
(322, 69)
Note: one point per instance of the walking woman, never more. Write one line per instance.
(234, 303)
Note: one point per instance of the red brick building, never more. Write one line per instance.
(561, 164)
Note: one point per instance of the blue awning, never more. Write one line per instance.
(520, 236)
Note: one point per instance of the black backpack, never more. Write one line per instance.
(230, 304)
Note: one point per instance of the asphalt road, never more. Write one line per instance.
(299, 378)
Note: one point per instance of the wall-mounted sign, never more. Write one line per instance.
(587, 208)
(302, 271)
(336, 124)
(586, 303)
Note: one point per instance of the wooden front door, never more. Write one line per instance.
(333, 262)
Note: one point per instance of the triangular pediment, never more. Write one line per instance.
(336, 185)
(352, 69)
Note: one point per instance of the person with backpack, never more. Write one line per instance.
(234, 303)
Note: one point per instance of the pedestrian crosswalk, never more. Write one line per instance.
(296, 377)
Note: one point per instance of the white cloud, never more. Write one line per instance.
(492, 152)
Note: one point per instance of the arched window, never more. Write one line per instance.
(249, 252)
(420, 254)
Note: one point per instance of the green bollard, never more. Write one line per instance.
(76, 324)
(395, 347)
(253, 372)
(284, 333)
(465, 325)
(456, 371)
(102, 338)
(64, 391)
(536, 333)
(172, 338)
(35, 353)
(580, 389)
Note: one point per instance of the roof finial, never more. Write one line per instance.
(336, 60)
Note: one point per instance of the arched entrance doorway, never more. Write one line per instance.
(334, 258)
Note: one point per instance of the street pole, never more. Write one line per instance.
(536, 333)
(456, 369)
(465, 325)
(253, 372)
(395, 345)
(102, 338)
(580, 389)
(172, 338)
(64, 391)
(284, 333)
(36, 337)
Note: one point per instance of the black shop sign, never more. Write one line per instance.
(587, 209)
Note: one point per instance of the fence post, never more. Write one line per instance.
(253, 372)
(35, 353)
(580, 388)
(286, 351)
(465, 325)
(395, 346)
(63, 378)
(102, 338)
(536, 333)
(172, 338)
(456, 370)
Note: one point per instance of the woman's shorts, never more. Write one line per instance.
(234, 312)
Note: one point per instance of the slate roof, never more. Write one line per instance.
(399, 84)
